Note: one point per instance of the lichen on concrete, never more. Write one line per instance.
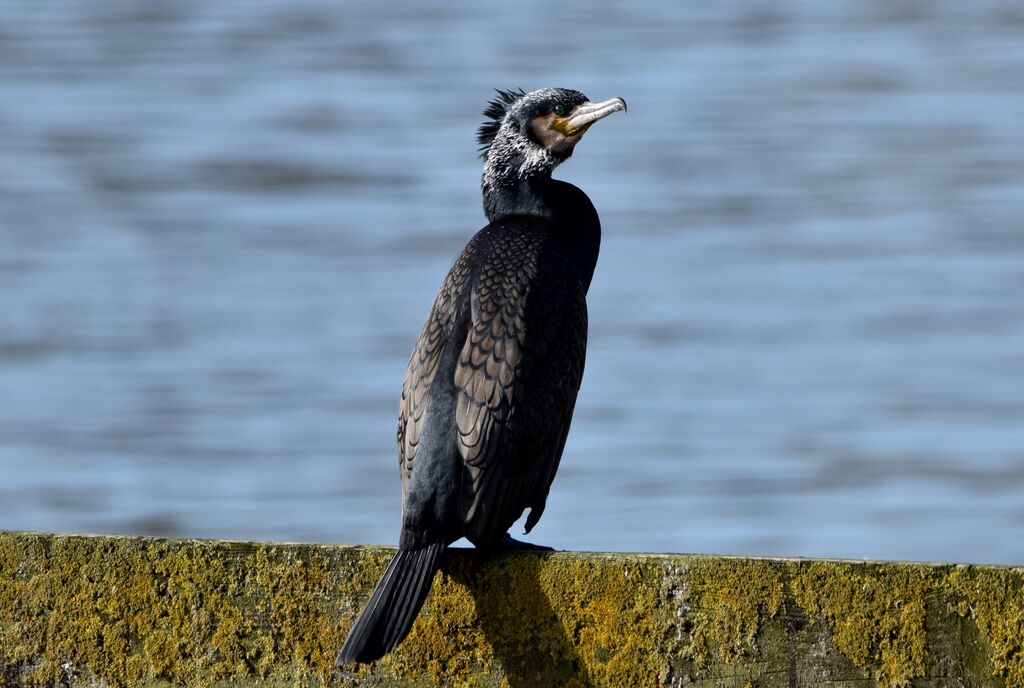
(876, 614)
(535, 619)
(727, 602)
(994, 599)
(126, 611)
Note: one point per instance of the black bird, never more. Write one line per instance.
(491, 385)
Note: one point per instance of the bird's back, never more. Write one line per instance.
(492, 382)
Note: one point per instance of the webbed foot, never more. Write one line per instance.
(510, 543)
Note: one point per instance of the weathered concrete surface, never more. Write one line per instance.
(132, 611)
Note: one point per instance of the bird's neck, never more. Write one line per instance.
(506, 197)
(563, 207)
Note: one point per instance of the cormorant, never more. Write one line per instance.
(491, 385)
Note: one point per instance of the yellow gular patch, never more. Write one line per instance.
(553, 132)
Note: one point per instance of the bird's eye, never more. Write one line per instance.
(559, 110)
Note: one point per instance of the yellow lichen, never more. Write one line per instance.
(445, 645)
(727, 600)
(528, 621)
(994, 598)
(127, 610)
(120, 611)
(609, 612)
(876, 615)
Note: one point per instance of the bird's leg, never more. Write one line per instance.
(509, 543)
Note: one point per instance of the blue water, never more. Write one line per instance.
(222, 224)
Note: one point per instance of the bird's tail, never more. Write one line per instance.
(393, 606)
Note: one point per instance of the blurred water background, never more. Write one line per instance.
(222, 224)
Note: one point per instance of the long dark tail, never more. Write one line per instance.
(392, 608)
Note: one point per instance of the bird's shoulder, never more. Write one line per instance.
(516, 251)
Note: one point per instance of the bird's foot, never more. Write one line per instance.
(510, 543)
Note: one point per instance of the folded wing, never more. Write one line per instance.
(517, 378)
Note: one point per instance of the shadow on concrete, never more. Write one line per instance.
(528, 638)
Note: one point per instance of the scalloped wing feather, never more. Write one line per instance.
(426, 356)
(518, 375)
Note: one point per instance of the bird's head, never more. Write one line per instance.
(528, 134)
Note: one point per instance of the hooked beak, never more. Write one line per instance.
(585, 114)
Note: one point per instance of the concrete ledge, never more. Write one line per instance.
(133, 611)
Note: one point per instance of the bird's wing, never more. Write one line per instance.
(426, 356)
(517, 378)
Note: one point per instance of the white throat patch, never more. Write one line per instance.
(511, 150)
